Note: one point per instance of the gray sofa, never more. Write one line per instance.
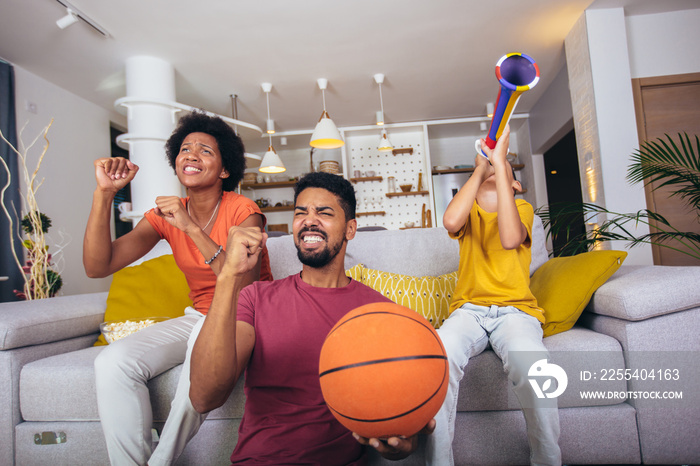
(48, 413)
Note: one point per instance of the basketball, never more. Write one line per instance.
(383, 371)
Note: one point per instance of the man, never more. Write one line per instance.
(274, 333)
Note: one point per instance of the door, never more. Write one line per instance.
(563, 186)
(669, 105)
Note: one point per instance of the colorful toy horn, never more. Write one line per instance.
(517, 73)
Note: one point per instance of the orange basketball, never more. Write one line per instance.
(383, 371)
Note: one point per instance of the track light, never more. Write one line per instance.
(70, 18)
(73, 15)
(384, 143)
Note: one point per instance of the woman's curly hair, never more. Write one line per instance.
(230, 145)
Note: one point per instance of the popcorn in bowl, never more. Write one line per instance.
(117, 329)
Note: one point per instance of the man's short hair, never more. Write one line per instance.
(335, 184)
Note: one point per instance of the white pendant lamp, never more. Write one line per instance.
(326, 134)
(384, 143)
(271, 162)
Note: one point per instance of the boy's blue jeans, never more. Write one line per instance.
(468, 332)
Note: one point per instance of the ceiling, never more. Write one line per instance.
(438, 55)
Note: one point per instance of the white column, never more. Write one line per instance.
(604, 117)
(150, 125)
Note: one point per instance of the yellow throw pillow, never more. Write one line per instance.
(154, 288)
(355, 272)
(563, 286)
(428, 296)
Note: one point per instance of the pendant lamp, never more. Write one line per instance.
(326, 134)
(234, 114)
(384, 143)
(271, 162)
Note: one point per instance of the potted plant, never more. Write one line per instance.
(663, 162)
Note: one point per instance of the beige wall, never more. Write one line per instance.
(79, 134)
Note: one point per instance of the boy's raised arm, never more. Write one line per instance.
(457, 213)
(510, 228)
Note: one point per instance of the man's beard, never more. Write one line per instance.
(318, 259)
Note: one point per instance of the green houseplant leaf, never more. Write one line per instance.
(662, 162)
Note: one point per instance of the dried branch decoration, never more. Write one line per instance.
(40, 280)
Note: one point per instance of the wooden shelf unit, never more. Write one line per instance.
(282, 208)
(410, 193)
(366, 214)
(517, 166)
(366, 178)
(403, 150)
(273, 184)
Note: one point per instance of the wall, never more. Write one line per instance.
(611, 50)
(664, 44)
(79, 134)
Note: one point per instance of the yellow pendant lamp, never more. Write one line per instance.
(271, 162)
(326, 134)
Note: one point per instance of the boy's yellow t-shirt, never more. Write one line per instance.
(488, 274)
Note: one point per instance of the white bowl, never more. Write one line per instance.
(114, 330)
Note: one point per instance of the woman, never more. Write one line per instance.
(208, 159)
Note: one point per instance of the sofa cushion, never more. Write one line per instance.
(415, 251)
(485, 386)
(564, 285)
(62, 387)
(538, 250)
(154, 288)
(640, 292)
(47, 320)
(428, 296)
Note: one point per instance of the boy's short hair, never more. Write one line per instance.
(335, 184)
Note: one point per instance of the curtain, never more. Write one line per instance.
(8, 266)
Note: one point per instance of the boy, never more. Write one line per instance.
(492, 303)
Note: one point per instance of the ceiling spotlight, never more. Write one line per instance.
(379, 79)
(67, 20)
(267, 87)
(73, 14)
(271, 162)
(380, 118)
(489, 109)
(384, 143)
(326, 134)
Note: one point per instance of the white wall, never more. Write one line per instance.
(621, 48)
(79, 134)
(664, 44)
(551, 118)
